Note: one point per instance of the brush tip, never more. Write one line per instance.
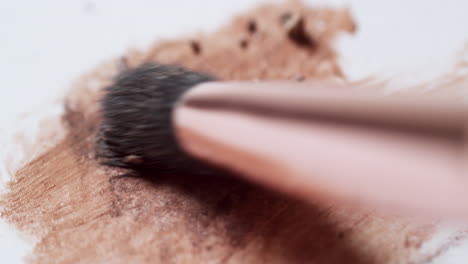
(136, 128)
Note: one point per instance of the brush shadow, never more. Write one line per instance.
(247, 216)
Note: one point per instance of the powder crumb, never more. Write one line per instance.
(244, 43)
(294, 26)
(133, 159)
(252, 26)
(196, 47)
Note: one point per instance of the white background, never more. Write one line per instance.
(45, 44)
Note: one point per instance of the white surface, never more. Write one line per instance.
(45, 44)
(416, 39)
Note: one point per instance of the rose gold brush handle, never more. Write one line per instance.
(331, 100)
(320, 142)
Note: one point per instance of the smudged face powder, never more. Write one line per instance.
(81, 211)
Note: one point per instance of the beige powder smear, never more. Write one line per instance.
(83, 212)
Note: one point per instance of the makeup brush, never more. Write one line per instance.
(316, 141)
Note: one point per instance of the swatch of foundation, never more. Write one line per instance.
(82, 212)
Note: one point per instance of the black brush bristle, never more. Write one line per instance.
(136, 130)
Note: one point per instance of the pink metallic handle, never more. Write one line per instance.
(445, 113)
(321, 145)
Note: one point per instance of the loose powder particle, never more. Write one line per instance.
(82, 212)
